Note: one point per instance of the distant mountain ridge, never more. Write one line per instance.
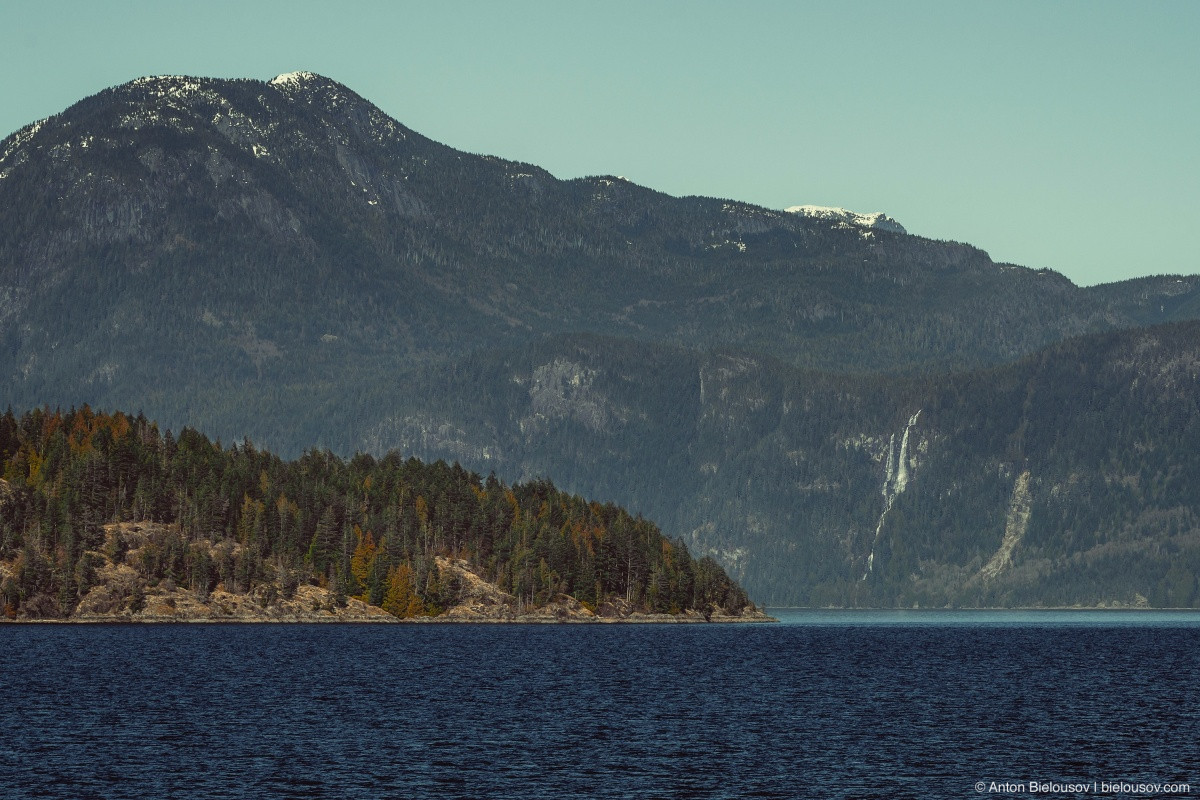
(283, 260)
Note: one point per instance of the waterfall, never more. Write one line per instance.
(895, 481)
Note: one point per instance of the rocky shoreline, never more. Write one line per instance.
(689, 617)
(359, 613)
(112, 600)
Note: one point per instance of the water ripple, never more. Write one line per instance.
(569, 712)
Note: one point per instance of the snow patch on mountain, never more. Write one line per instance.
(18, 140)
(161, 86)
(292, 80)
(877, 220)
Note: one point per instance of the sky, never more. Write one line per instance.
(1058, 135)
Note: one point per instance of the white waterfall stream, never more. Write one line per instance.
(895, 481)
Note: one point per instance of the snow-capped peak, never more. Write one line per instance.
(292, 80)
(877, 220)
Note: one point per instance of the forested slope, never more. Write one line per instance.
(242, 519)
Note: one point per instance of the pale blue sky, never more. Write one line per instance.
(1061, 135)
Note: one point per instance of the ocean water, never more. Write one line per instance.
(823, 705)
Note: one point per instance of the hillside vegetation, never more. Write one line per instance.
(242, 521)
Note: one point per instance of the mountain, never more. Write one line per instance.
(283, 260)
(282, 229)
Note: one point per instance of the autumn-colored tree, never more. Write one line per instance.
(362, 563)
(401, 599)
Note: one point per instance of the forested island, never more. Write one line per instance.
(105, 518)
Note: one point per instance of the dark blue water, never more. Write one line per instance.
(826, 705)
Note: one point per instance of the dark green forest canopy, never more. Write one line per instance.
(370, 528)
